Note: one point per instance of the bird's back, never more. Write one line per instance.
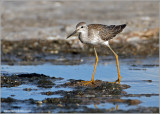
(105, 32)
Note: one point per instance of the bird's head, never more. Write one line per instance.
(80, 28)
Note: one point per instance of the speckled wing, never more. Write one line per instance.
(107, 32)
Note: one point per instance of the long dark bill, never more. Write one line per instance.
(72, 34)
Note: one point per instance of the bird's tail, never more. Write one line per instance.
(119, 28)
(116, 28)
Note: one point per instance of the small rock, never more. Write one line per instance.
(39, 102)
(27, 89)
(60, 105)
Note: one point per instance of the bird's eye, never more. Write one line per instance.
(81, 26)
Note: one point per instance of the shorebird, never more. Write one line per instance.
(95, 34)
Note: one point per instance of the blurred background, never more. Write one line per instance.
(33, 40)
(45, 19)
(44, 25)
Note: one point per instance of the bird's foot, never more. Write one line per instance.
(117, 81)
(88, 82)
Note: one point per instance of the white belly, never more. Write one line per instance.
(93, 39)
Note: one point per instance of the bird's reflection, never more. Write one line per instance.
(114, 108)
(95, 105)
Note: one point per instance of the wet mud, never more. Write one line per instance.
(27, 52)
(75, 100)
(38, 79)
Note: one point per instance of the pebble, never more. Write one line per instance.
(39, 102)
(60, 105)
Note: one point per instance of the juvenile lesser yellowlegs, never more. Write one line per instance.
(95, 34)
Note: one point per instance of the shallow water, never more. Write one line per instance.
(140, 73)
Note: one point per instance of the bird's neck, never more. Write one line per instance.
(83, 36)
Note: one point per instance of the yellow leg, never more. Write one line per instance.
(117, 107)
(95, 106)
(92, 80)
(119, 77)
